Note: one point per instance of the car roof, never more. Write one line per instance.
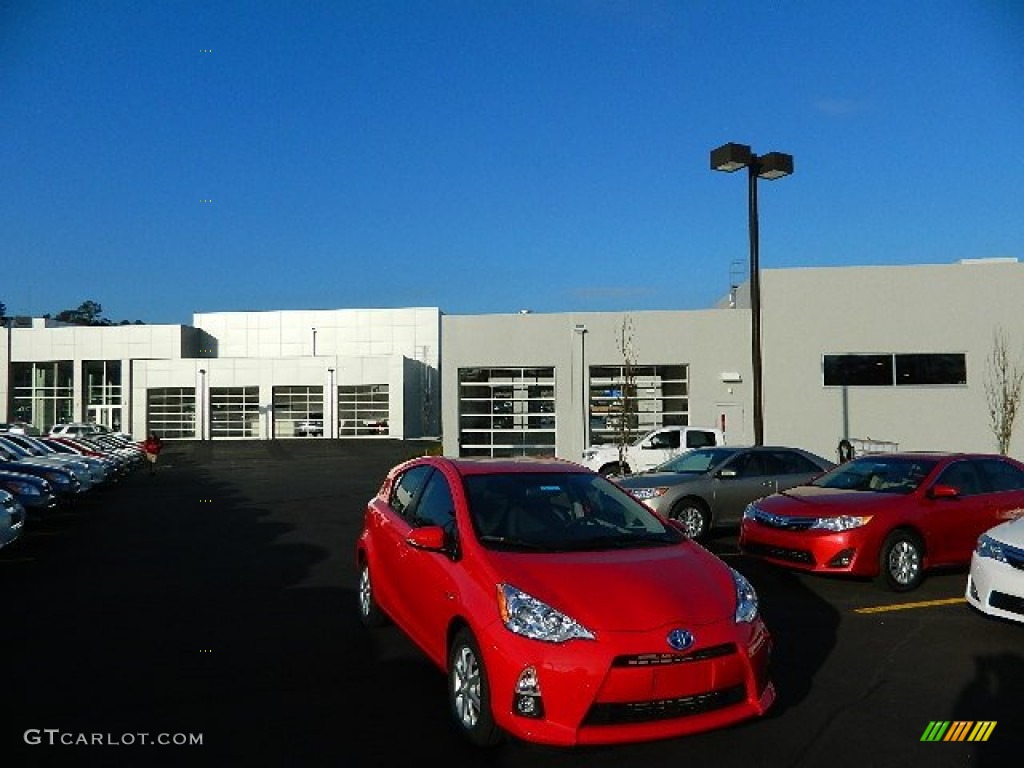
(492, 466)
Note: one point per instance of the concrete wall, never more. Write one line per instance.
(709, 341)
(807, 313)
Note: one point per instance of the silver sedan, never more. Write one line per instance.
(710, 487)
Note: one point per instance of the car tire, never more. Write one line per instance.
(694, 515)
(369, 612)
(901, 561)
(469, 694)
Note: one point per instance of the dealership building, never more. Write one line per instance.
(882, 356)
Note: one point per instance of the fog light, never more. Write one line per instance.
(842, 560)
(526, 702)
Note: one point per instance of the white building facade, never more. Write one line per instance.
(881, 356)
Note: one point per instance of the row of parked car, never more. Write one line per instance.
(43, 474)
(578, 607)
(887, 516)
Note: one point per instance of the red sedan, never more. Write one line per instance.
(888, 516)
(562, 610)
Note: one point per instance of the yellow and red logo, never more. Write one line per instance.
(958, 730)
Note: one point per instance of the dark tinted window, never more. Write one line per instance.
(931, 369)
(699, 439)
(962, 476)
(858, 370)
(1001, 475)
(435, 505)
(790, 463)
(407, 488)
(887, 370)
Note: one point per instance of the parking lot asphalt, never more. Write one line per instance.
(215, 602)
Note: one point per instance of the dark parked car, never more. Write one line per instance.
(35, 493)
(709, 487)
(66, 483)
(891, 516)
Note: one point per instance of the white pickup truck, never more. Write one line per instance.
(650, 450)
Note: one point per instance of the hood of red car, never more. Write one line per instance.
(623, 590)
(811, 501)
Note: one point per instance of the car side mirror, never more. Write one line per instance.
(943, 492)
(429, 537)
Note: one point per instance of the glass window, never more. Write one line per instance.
(658, 396)
(962, 476)
(42, 394)
(171, 412)
(917, 369)
(234, 412)
(363, 409)
(436, 506)
(858, 370)
(296, 408)
(1001, 475)
(931, 369)
(507, 411)
(407, 488)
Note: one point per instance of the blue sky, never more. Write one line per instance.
(164, 158)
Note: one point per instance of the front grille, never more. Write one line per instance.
(779, 553)
(662, 659)
(769, 520)
(664, 709)
(1005, 602)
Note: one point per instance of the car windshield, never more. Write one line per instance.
(878, 474)
(695, 462)
(553, 512)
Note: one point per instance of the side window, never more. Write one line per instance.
(1001, 475)
(752, 465)
(407, 488)
(435, 506)
(665, 440)
(790, 463)
(961, 475)
(698, 439)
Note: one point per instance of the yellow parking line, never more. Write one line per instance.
(906, 606)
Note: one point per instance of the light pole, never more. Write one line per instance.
(774, 165)
(314, 341)
(581, 330)
(201, 404)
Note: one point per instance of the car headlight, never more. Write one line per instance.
(750, 511)
(644, 494)
(746, 598)
(989, 547)
(527, 616)
(841, 523)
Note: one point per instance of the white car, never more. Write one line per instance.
(12, 519)
(995, 584)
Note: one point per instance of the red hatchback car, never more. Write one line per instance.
(562, 610)
(889, 516)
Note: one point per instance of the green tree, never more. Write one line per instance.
(88, 313)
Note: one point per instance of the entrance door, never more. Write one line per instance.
(105, 415)
(729, 417)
